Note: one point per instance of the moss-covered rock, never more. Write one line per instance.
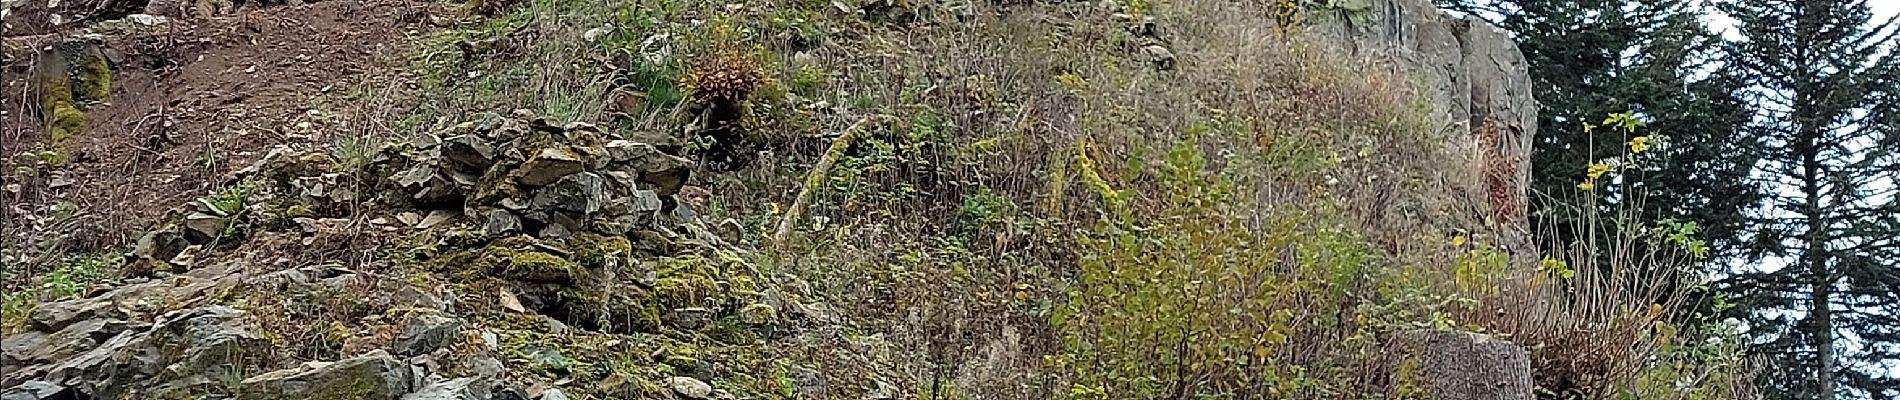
(92, 74)
(64, 125)
(601, 251)
(731, 331)
(514, 258)
(611, 309)
(686, 290)
(758, 314)
(538, 266)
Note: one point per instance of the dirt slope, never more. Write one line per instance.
(191, 100)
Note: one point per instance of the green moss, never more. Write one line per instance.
(601, 251)
(682, 358)
(94, 76)
(688, 265)
(495, 184)
(731, 331)
(538, 266)
(513, 257)
(758, 314)
(612, 309)
(687, 290)
(64, 126)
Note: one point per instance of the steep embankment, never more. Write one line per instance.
(775, 199)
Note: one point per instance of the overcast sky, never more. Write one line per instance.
(1883, 9)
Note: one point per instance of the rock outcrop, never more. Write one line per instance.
(1474, 75)
(562, 228)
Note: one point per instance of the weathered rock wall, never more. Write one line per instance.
(1473, 74)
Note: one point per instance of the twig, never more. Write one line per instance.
(816, 179)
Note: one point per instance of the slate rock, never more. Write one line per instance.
(425, 332)
(548, 166)
(372, 376)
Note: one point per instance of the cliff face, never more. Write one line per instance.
(1474, 75)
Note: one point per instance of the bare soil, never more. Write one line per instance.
(192, 101)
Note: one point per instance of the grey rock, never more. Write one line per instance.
(424, 184)
(468, 153)
(39, 390)
(425, 332)
(553, 394)
(555, 231)
(548, 358)
(201, 344)
(409, 217)
(513, 204)
(580, 192)
(549, 165)
(34, 347)
(572, 221)
(22, 348)
(160, 244)
(666, 172)
(213, 338)
(689, 387)
(645, 201)
(202, 227)
(490, 341)
(425, 140)
(502, 223)
(621, 151)
(375, 375)
(883, 391)
(690, 318)
(56, 315)
(1158, 56)
(487, 122)
(1464, 365)
(436, 218)
(807, 381)
(456, 389)
(488, 367)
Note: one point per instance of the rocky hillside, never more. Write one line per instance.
(788, 199)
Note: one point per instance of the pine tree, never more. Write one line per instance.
(1824, 307)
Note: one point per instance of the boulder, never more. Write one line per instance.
(580, 192)
(33, 347)
(203, 227)
(375, 375)
(688, 318)
(468, 152)
(689, 388)
(1473, 74)
(548, 166)
(502, 223)
(425, 332)
(187, 348)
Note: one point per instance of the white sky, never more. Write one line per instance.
(1883, 9)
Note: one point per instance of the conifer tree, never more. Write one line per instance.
(1824, 304)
